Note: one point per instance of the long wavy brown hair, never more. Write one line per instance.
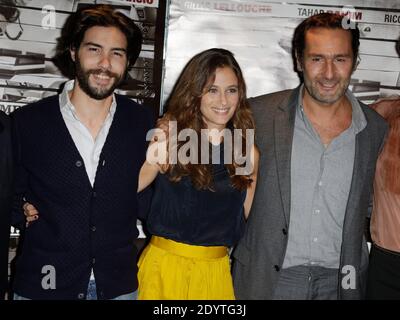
(184, 107)
(390, 157)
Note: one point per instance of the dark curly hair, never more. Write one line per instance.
(80, 21)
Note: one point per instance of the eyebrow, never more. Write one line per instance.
(99, 46)
(229, 86)
(335, 55)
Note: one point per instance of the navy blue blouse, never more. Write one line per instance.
(185, 214)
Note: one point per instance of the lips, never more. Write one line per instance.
(221, 111)
(102, 79)
(327, 86)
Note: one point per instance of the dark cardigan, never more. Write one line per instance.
(80, 227)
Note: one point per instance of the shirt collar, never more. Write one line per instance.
(65, 102)
(358, 120)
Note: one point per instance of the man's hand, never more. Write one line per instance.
(30, 212)
(162, 139)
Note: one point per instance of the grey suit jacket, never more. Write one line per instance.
(259, 255)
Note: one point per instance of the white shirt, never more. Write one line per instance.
(88, 148)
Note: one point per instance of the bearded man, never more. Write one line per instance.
(77, 158)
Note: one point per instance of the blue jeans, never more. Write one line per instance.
(92, 294)
(307, 283)
(18, 297)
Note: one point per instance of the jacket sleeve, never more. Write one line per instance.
(5, 200)
(20, 176)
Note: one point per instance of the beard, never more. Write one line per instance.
(96, 92)
(326, 98)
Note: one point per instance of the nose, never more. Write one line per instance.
(104, 62)
(223, 99)
(329, 69)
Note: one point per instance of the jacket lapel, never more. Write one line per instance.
(283, 132)
(361, 160)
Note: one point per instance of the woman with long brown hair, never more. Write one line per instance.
(203, 192)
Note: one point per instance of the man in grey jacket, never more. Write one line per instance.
(318, 146)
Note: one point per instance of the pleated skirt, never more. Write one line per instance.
(170, 270)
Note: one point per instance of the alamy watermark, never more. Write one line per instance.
(49, 19)
(165, 151)
(349, 277)
(349, 13)
(49, 280)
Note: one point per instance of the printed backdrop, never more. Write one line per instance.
(259, 33)
(30, 28)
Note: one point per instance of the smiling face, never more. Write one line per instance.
(327, 64)
(220, 99)
(101, 61)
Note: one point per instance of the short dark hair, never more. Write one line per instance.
(80, 21)
(323, 20)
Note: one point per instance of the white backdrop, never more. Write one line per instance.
(259, 33)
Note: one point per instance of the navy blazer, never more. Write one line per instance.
(5, 199)
(80, 227)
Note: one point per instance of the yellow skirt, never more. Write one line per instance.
(170, 270)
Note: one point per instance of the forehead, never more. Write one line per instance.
(105, 36)
(324, 40)
(224, 74)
